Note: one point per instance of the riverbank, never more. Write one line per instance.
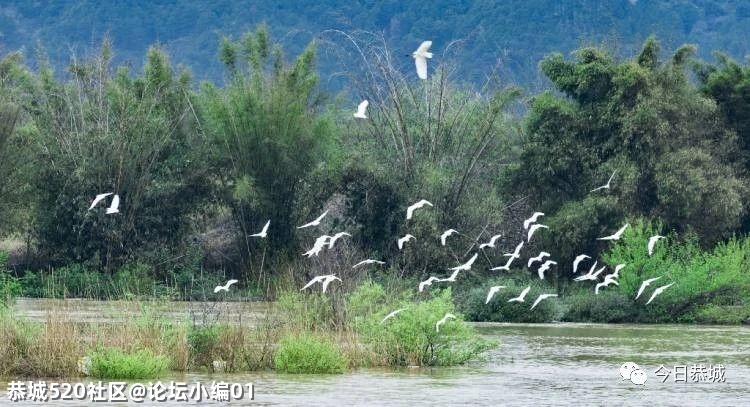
(569, 361)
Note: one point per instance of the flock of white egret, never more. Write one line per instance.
(530, 225)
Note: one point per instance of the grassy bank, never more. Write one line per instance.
(298, 334)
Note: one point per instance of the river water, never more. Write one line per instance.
(535, 365)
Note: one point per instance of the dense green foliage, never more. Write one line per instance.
(305, 353)
(113, 363)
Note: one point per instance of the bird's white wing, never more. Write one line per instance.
(421, 63)
(423, 47)
(114, 205)
(265, 228)
(313, 281)
(98, 199)
(392, 314)
(362, 109)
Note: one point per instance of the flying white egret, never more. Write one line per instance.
(264, 232)
(591, 275)
(446, 234)
(316, 222)
(492, 292)
(658, 291)
(224, 287)
(605, 186)
(361, 110)
(319, 244)
(652, 242)
(491, 243)
(392, 314)
(608, 279)
(410, 210)
(539, 258)
(325, 279)
(540, 298)
(522, 296)
(645, 284)
(532, 219)
(336, 237)
(618, 267)
(368, 261)
(420, 58)
(544, 267)
(516, 253)
(443, 320)
(617, 234)
(506, 267)
(533, 228)
(113, 207)
(98, 199)
(466, 266)
(452, 277)
(404, 239)
(578, 260)
(429, 281)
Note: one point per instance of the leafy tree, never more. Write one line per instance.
(104, 131)
(270, 135)
(645, 120)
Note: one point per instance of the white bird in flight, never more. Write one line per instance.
(491, 243)
(466, 266)
(427, 282)
(368, 261)
(326, 279)
(618, 267)
(532, 219)
(403, 240)
(652, 242)
(540, 298)
(319, 244)
(224, 287)
(521, 297)
(506, 267)
(608, 279)
(361, 110)
(617, 234)
(443, 320)
(420, 58)
(264, 232)
(544, 267)
(492, 292)
(392, 314)
(591, 275)
(336, 237)
(658, 291)
(533, 228)
(578, 260)
(316, 222)
(605, 186)
(516, 253)
(541, 257)
(410, 210)
(445, 235)
(645, 284)
(113, 207)
(98, 199)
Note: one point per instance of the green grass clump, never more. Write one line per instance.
(305, 353)
(410, 337)
(113, 363)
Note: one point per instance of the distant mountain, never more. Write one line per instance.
(510, 35)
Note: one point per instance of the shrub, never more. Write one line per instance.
(113, 363)
(305, 353)
(203, 341)
(410, 337)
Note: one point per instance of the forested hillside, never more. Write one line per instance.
(509, 36)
